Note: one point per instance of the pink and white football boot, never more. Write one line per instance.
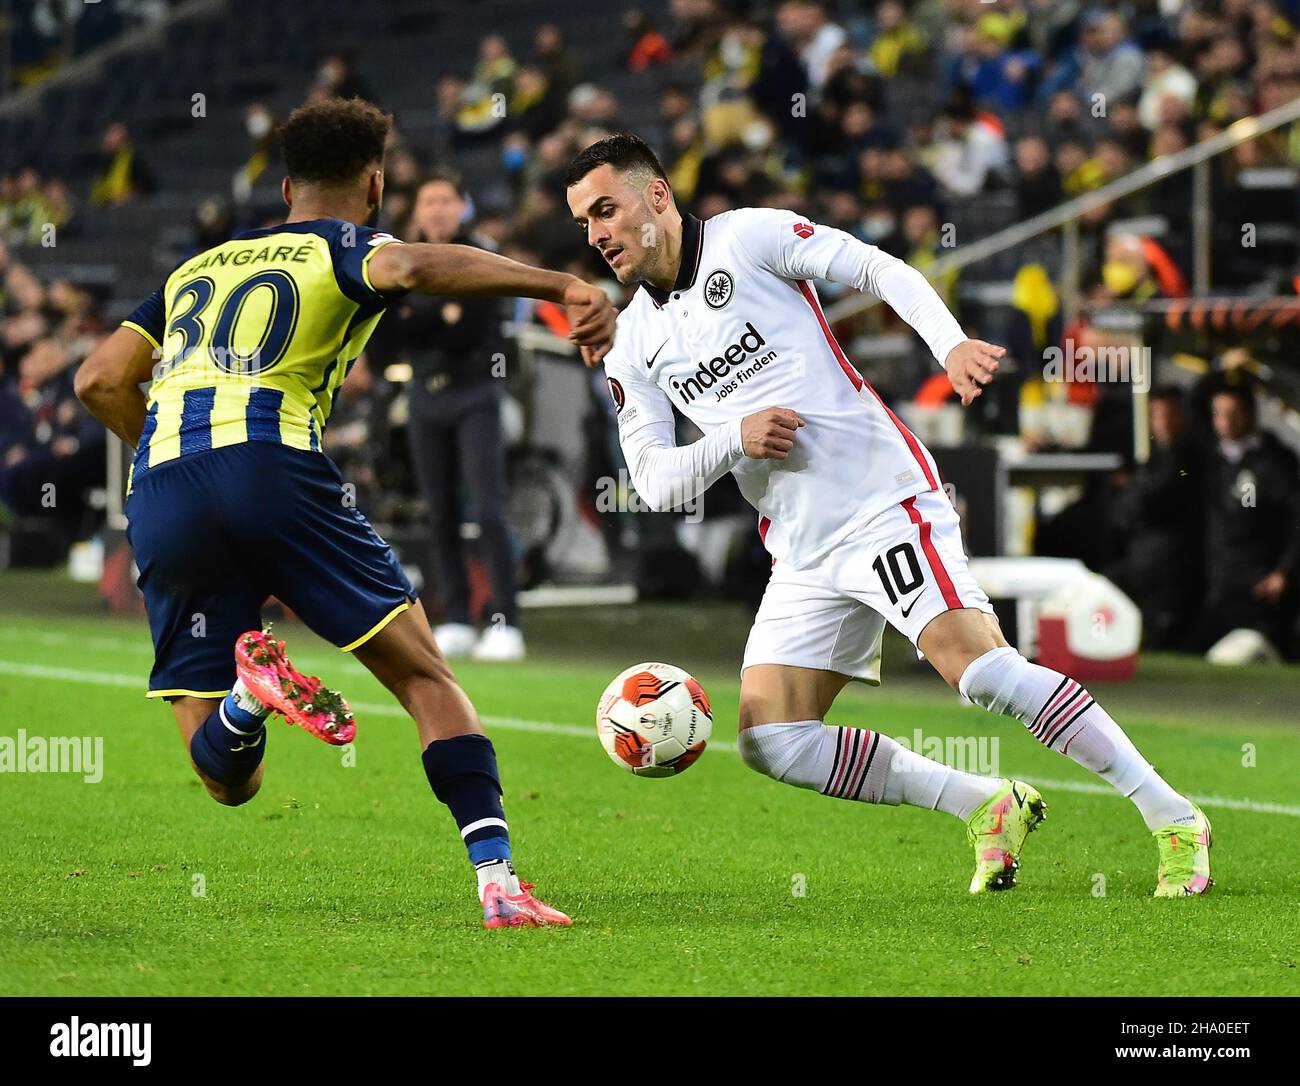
(301, 699)
(522, 910)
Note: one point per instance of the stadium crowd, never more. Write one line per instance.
(51, 450)
(893, 121)
(1044, 100)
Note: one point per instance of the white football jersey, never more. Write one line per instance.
(742, 330)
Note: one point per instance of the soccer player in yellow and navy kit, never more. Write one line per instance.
(231, 499)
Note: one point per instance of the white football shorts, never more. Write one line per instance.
(906, 566)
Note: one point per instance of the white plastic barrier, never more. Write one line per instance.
(1067, 617)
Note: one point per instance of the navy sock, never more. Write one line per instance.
(229, 745)
(462, 772)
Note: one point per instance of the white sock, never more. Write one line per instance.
(1063, 716)
(922, 782)
(502, 872)
(853, 763)
(246, 700)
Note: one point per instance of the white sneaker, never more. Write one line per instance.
(455, 639)
(500, 643)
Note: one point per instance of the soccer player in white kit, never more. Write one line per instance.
(726, 327)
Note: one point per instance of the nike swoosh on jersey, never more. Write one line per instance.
(650, 365)
(908, 609)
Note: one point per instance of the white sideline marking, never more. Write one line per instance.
(546, 727)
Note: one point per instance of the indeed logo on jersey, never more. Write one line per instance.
(737, 358)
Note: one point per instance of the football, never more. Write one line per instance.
(654, 720)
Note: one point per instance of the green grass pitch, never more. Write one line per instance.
(343, 879)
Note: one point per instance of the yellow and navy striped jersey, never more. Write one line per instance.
(255, 336)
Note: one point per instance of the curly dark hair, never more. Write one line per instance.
(332, 143)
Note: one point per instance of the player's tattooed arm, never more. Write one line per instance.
(971, 365)
(109, 381)
(465, 270)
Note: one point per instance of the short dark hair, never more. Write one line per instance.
(1241, 391)
(1172, 393)
(442, 175)
(331, 143)
(623, 151)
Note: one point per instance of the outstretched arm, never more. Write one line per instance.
(971, 363)
(795, 249)
(467, 271)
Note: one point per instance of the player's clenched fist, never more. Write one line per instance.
(971, 365)
(769, 434)
(591, 320)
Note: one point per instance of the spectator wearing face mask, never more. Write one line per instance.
(1135, 269)
(263, 150)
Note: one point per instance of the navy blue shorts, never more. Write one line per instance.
(215, 533)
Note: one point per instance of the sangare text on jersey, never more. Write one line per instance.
(255, 337)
